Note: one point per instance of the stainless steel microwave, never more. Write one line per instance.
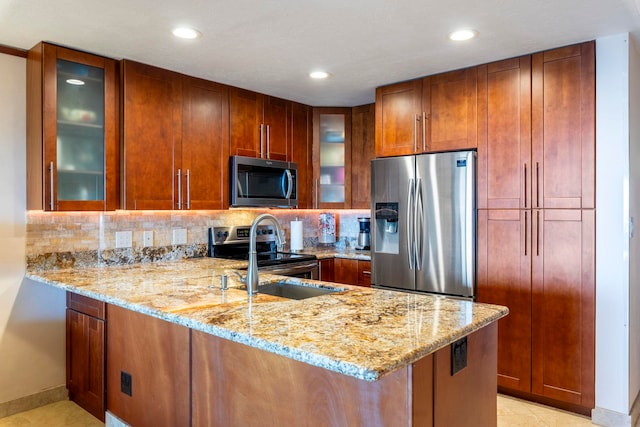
(263, 183)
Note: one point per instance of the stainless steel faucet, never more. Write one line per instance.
(252, 271)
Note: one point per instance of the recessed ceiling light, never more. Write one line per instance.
(76, 82)
(186, 33)
(319, 74)
(462, 35)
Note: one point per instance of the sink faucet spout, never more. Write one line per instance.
(252, 270)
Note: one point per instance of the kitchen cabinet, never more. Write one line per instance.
(352, 272)
(148, 377)
(540, 264)
(326, 269)
(300, 149)
(362, 152)
(364, 273)
(175, 136)
(72, 130)
(435, 113)
(332, 157)
(85, 332)
(258, 125)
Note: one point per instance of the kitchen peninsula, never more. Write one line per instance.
(182, 351)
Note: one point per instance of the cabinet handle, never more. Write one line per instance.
(415, 133)
(424, 131)
(179, 189)
(537, 233)
(261, 140)
(366, 272)
(537, 185)
(268, 142)
(188, 188)
(51, 185)
(526, 216)
(525, 185)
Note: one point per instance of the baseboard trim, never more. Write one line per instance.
(608, 418)
(33, 401)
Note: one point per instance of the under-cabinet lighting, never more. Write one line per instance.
(462, 35)
(186, 33)
(75, 82)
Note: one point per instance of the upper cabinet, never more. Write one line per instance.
(258, 125)
(300, 149)
(175, 139)
(362, 152)
(436, 113)
(563, 127)
(72, 130)
(536, 127)
(332, 157)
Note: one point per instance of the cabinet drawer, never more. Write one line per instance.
(364, 273)
(85, 305)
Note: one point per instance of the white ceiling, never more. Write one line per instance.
(269, 46)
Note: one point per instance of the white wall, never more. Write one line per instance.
(32, 334)
(634, 208)
(612, 244)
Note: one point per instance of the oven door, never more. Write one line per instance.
(261, 182)
(302, 270)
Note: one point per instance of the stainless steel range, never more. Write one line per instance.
(232, 242)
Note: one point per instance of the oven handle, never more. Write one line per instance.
(285, 270)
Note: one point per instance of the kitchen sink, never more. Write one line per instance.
(291, 291)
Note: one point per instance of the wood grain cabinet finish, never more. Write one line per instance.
(258, 125)
(301, 152)
(504, 134)
(563, 127)
(61, 125)
(352, 272)
(85, 337)
(362, 152)
(436, 113)
(156, 354)
(175, 140)
(326, 268)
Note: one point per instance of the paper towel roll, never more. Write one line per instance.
(296, 236)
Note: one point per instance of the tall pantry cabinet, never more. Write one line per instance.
(536, 220)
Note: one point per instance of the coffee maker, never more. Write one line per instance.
(364, 237)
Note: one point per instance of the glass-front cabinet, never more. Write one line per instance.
(332, 157)
(76, 134)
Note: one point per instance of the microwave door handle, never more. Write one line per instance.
(289, 176)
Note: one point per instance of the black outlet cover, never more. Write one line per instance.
(458, 355)
(125, 383)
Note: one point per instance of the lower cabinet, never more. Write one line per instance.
(85, 353)
(326, 268)
(352, 272)
(540, 264)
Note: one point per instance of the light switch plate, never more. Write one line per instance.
(179, 236)
(123, 239)
(147, 239)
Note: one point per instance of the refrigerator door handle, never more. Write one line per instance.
(410, 224)
(418, 224)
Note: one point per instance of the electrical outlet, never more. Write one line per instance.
(123, 239)
(125, 383)
(147, 239)
(179, 236)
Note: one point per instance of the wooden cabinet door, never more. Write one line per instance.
(326, 269)
(300, 151)
(152, 136)
(563, 132)
(245, 119)
(276, 131)
(564, 305)
(364, 273)
(504, 278)
(450, 101)
(346, 271)
(156, 355)
(504, 134)
(205, 145)
(398, 117)
(85, 362)
(362, 152)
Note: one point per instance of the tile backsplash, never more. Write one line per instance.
(56, 239)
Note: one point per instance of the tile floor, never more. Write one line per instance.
(511, 412)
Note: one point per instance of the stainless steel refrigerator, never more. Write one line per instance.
(423, 224)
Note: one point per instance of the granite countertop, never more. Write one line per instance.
(333, 252)
(362, 332)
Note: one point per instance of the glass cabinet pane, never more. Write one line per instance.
(332, 154)
(80, 131)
